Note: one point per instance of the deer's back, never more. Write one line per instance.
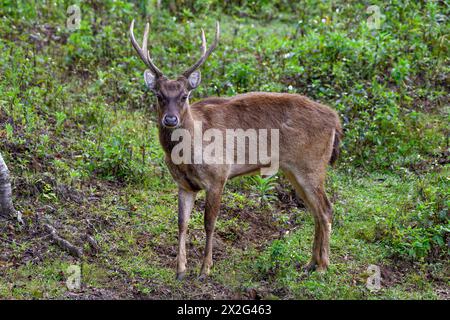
(290, 113)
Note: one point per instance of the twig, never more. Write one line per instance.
(64, 244)
(93, 243)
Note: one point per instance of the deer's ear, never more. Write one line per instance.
(150, 79)
(194, 79)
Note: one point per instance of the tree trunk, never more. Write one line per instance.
(6, 206)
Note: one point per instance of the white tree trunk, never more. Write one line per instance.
(6, 206)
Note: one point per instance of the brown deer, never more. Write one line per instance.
(309, 137)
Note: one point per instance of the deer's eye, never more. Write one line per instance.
(184, 97)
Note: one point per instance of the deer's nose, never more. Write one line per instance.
(170, 121)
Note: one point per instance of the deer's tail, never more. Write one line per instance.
(336, 145)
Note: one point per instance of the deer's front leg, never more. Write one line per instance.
(213, 198)
(185, 204)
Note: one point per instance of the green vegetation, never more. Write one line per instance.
(77, 129)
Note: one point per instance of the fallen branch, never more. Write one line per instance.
(63, 243)
(94, 245)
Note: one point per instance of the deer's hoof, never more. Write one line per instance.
(310, 267)
(313, 266)
(180, 275)
(321, 269)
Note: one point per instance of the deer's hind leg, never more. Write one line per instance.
(310, 187)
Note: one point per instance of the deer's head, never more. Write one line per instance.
(172, 95)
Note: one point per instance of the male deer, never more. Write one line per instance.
(309, 136)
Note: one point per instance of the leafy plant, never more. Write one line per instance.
(264, 188)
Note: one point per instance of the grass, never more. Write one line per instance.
(77, 129)
(140, 240)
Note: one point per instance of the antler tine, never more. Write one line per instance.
(145, 38)
(205, 54)
(143, 52)
(135, 44)
(203, 48)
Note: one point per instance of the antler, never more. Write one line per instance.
(205, 54)
(143, 52)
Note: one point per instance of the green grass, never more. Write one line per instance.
(77, 129)
(139, 247)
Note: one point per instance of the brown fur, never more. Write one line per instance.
(309, 140)
(309, 137)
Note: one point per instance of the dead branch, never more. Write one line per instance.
(63, 243)
(94, 245)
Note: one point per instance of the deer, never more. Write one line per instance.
(309, 140)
